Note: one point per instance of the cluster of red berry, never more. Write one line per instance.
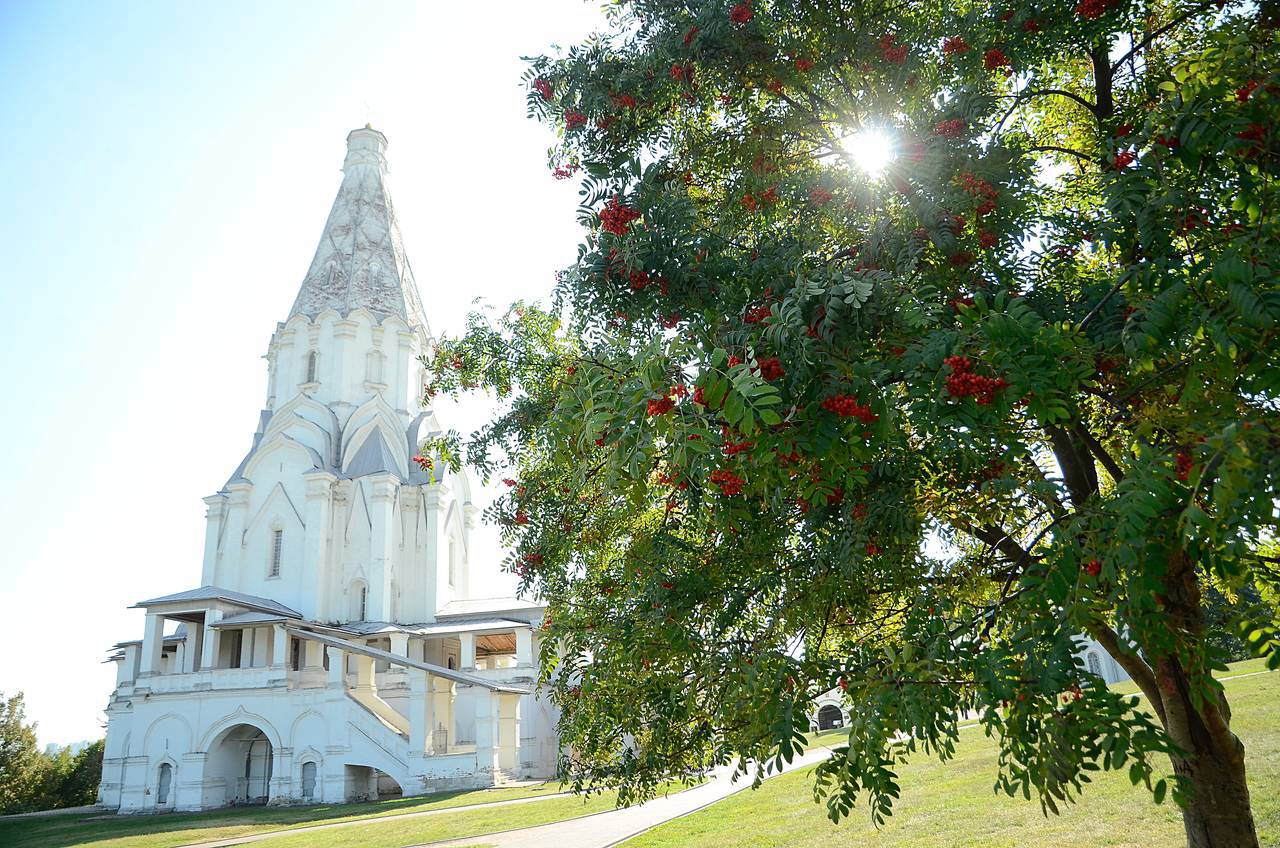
(533, 559)
(961, 259)
(682, 73)
(953, 128)
(1093, 567)
(732, 448)
(638, 279)
(424, 462)
(804, 66)
(954, 45)
(771, 369)
(564, 172)
(660, 406)
(892, 53)
(616, 217)
(729, 483)
(756, 314)
(995, 58)
(1183, 465)
(847, 406)
(688, 36)
(1123, 159)
(741, 13)
(819, 196)
(962, 382)
(543, 88)
(574, 120)
(521, 517)
(1091, 10)
(986, 240)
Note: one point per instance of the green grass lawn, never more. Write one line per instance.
(952, 804)
(172, 829)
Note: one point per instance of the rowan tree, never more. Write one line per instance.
(908, 342)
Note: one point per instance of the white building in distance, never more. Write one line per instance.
(340, 645)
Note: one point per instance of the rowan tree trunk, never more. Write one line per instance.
(1217, 815)
(1217, 812)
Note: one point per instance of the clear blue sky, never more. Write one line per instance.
(169, 169)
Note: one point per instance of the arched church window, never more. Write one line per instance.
(313, 367)
(165, 782)
(359, 599)
(277, 551)
(308, 781)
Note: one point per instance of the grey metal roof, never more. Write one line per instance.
(216, 593)
(445, 628)
(374, 457)
(242, 619)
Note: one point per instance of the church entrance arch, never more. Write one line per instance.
(830, 717)
(238, 767)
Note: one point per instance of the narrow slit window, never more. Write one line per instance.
(277, 547)
(312, 363)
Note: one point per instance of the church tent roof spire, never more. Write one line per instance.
(360, 262)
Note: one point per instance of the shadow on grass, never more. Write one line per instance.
(63, 831)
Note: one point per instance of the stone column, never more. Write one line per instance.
(524, 646)
(191, 649)
(487, 733)
(246, 647)
(382, 545)
(344, 333)
(152, 645)
(395, 674)
(337, 668)
(443, 692)
(279, 646)
(509, 732)
(420, 718)
(127, 670)
(467, 652)
(315, 549)
(215, 512)
(212, 640)
(364, 675)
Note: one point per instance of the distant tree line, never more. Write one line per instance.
(31, 779)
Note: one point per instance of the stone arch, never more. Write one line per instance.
(180, 738)
(829, 717)
(240, 716)
(309, 732)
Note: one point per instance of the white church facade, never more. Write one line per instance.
(341, 644)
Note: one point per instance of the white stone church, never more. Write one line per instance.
(340, 645)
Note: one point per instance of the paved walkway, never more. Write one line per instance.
(601, 830)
